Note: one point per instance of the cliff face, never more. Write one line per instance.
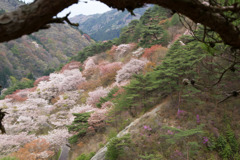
(39, 51)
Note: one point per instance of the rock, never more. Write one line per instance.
(100, 155)
(3, 91)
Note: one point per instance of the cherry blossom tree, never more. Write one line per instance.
(134, 66)
(95, 96)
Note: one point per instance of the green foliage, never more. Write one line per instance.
(152, 35)
(151, 157)
(15, 50)
(175, 20)
(48, 71)
(123, 103)
(148, 29)
(80, 125)
(59, 153)
(86, 156)
(15, 85)
(4, 76)
(116, 146)
(181, 135)
(146, 90)
(93, 49)
(226, 144)
(108, 97)
(178, 64)
(30, 76)
(185, 139)
(107, 26)
(137, 93)
(73, 139)
(193, 148)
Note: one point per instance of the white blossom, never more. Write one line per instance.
(132, 67)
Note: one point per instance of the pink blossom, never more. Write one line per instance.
(132, 67)
(180, 112)
(170, 132)
(89, 64)
(205, 140)
(198, 120)
(95, 96)
(108, 68)
(147, 128)
(44, 78)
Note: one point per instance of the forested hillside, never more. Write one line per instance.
(107, 26)
(155, 93)
(156, 26)
(40, 52)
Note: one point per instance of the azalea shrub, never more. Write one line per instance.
(155, 53)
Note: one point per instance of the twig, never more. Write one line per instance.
(220, 78)
(232, 94)
(64, 19)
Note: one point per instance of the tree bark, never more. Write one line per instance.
(30, 18)
(2, 129)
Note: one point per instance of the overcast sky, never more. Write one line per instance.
(92, 7)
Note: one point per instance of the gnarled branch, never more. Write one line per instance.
(30, 18)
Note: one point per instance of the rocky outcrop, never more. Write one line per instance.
(133, 128)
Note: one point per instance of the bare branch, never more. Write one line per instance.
(229, 95)
(194, 10)
(30, 18)
(229, 68)
(64, 19)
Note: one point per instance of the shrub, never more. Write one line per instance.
(44, 78)
(37, 149)
(108, 97)
(116, 147)
(226, 144)
(175, 20)
(90, 85)
(16, 85)
(149, 51)
(80, 125)
(111, 67)
(86, 156)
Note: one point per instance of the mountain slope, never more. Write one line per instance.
(38, 52)
(108, 25)
(89, 103)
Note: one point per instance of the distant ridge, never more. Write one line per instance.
(108, 25)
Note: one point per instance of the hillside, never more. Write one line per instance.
(156, 94)
(38, 52)
(108, 25)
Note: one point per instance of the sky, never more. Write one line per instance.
(92, 7)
